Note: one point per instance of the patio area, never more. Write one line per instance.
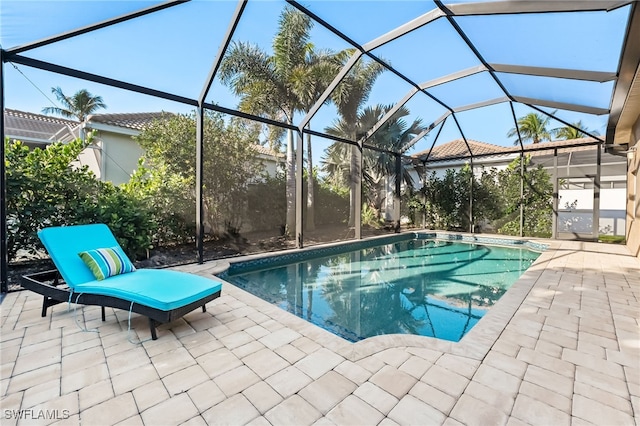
(562, 347)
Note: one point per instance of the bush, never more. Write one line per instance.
(130, 219)
(537, 199)
(170, 202)
(412, 206)
(44, 189)
(370, 217)
(496, 200)
(331, 205)
(266, 204)
(230, 162)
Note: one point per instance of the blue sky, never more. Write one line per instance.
(172, 51)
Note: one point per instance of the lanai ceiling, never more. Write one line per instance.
(461, 67)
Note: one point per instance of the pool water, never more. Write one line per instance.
(424, 287)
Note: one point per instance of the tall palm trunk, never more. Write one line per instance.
(354, 179)
(311, 214)
(290, 184)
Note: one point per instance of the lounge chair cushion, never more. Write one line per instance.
(157, 288)
(65, 242)
(107, 262)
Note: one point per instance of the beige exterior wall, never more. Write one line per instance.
(90, 157)
(120, 154)
(633, 193)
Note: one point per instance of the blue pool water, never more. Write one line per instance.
(419, 286)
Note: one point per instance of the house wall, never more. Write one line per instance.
(612, 209)
(271, 166)
(633, 193)
(441, 168)
(90, 157)
(120, 154)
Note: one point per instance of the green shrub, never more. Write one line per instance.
(170, 199)
(129, 218)
(266, 204)
(370, 217)
(331, 205)
(230, 162)
(537, 199)
(44, 189)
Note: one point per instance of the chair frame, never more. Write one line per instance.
(54, 290)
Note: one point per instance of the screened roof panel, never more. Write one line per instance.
(173, 50)
(594, 124)
(351, 98)
(27, 21)
(547, 117)
(253, 47)
(426, 108)
(366, 20)
(423, 144)
(326, 116)
(436, 48)
(155, 55)
(450, 132)
(580, 40)
(577, 92)
(469, 90)
(30, 90)
(497, 119)
(388, 89)
(409, 119)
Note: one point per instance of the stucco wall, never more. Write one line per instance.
(633, 194)
(120, 156)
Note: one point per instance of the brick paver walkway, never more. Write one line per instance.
(561, 348)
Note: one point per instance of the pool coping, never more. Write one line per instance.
(475, 344)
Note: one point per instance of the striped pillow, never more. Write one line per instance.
(107, 262)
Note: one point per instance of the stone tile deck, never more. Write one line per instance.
(562, 347)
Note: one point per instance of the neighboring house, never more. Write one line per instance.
(37, 130)
(576, 170)
(272, 161)
(114, 135)
(118, 153)
(114, 154)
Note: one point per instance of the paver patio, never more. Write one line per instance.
(562, 347)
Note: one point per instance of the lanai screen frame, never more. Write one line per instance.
(622, 80)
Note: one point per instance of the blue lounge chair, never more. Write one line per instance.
(159, 294)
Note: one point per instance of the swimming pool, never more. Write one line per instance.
(422, 286)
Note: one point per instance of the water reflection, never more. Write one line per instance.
(430, 288)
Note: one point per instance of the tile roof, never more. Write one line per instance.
(456, 148)
(136, 120)
(30, 126)
(21, 124)
(265, 150)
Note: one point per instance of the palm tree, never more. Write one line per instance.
(393, 136)
(533, 127)
(349, 97)
(80, 105)
(321, 68)
(568, 132)
(272, 86)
